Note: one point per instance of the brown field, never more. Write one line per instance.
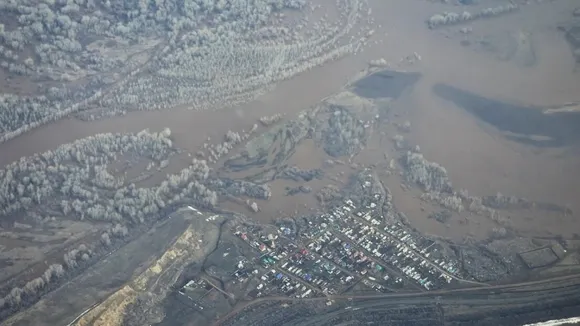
(35, 249)
(105, 278)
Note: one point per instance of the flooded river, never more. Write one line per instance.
(476, 158)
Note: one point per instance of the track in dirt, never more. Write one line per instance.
(564, 285)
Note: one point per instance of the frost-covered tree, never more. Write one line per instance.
(31, 288)
(450, 18)
(201, 52)
(431, 176)
(106, 239)
(54, 271)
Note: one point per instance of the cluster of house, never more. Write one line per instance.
(342, 248)
(404, 251)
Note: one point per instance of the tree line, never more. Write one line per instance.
(226, 53)
(451, 18)
(74, 182)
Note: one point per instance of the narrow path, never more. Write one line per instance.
(83, 313)
(227, 294)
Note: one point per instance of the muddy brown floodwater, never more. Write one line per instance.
(476, 156)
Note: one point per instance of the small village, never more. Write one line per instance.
(340, 251)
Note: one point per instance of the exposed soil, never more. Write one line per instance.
(103, 278)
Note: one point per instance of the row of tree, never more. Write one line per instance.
(30, 291)
(73, 261)
(232, 61)
(15, 297)
(433, 179)
(20, 114)
(75, 180)
(222, 57)
(450, 18)
(78, 174)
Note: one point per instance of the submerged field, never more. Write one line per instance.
(267, 109)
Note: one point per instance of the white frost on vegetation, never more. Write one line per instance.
(431, 176)
(450, 18)
(118, 55)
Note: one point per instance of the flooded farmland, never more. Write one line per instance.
(529, 124)
(466, 133)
